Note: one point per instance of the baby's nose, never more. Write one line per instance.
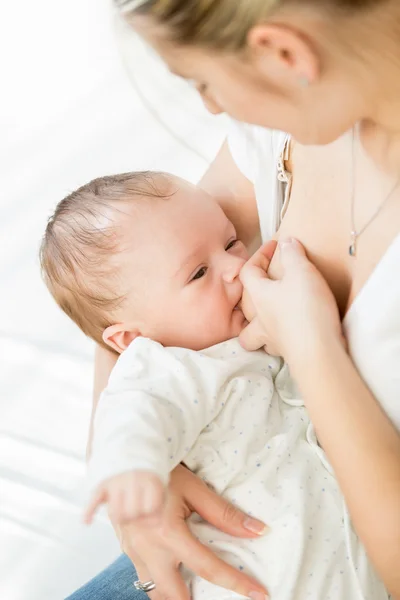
(232, 269)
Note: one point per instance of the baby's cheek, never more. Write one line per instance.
(248, 306)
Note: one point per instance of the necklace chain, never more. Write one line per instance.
(354, 234)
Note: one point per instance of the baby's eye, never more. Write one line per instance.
(231, 244)
(200, 273)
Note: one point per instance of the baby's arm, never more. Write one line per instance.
(156, 404)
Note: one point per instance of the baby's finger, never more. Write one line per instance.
(129, 509)
(116, 507)
(132, 508)
(99, 498)
(252, 337)
(153, 498)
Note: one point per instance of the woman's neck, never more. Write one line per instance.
(375, 35)
(380, 132)
(383, 145)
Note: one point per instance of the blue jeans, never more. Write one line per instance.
(114, 583)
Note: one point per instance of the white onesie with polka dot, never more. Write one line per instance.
(233, 417)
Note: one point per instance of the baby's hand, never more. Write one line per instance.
(130, 496)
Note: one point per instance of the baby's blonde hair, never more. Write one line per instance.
(224, 24)
(81, 240)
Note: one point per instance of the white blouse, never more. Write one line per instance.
(372, 324)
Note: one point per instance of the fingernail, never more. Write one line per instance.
(255, 526)
(258, 596)
(285, 242)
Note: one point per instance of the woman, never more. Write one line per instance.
(314, 69)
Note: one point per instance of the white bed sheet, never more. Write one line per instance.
(68, 113)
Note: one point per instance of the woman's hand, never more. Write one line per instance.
(158, 549)
(291, 315)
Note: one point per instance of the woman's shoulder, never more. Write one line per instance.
(259, 153)
(251, 144)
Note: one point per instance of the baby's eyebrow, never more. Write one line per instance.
(189, 258)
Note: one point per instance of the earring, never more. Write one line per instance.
(304, 82)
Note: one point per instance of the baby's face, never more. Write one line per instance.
(183, 260)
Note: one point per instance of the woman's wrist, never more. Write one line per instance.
(318, 346)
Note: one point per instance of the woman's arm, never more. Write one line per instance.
(235, 194)
(360, 441)
(363, 447)
(104, 362)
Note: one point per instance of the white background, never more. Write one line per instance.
(69, 111)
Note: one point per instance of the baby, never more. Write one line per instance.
(148, 265)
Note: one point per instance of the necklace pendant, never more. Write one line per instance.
(353, 244)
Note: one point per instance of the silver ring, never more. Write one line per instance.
(147, 586)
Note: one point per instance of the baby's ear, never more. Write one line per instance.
(118, 337)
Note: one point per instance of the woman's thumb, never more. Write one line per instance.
(291, 253)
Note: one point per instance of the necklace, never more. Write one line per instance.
(354, 233)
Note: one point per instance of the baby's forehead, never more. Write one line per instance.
(173, 218)
(176, 201)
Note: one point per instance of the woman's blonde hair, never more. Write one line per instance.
(223, 24)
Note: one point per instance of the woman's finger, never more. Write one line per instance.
(161, 570)
(143, 575)
(202, 561)
(260, 261)
(262, 258)
(291, 253)
(169, 585)
(223, 515)
(252, 337)
(166, 576)
(255, 281)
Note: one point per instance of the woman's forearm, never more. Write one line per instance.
(104, 362)
(363, 448)
(235, 194)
